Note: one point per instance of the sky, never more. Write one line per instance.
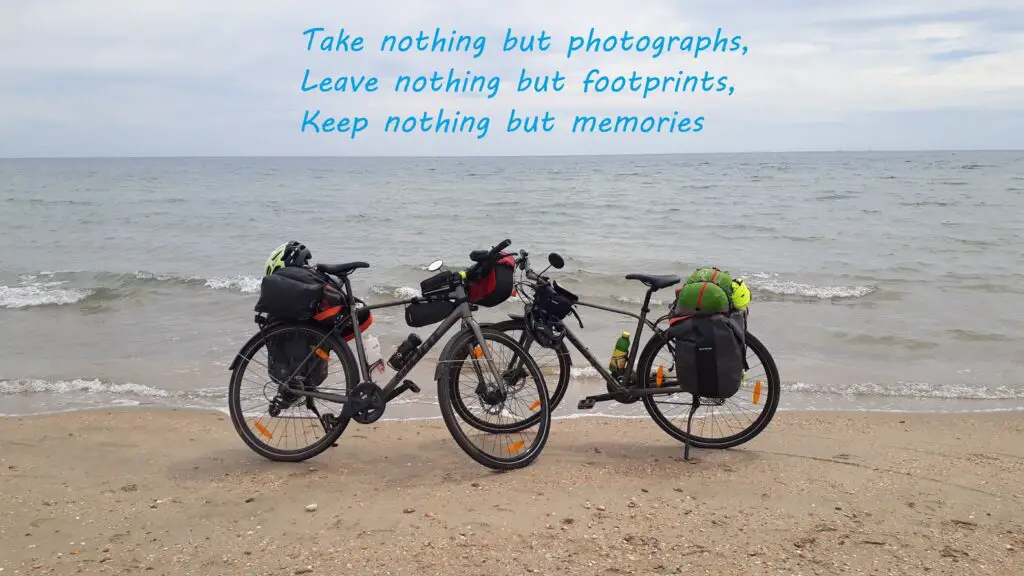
(224, 78)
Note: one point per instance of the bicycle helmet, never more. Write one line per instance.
(740, 294)
(547, 331)
(288, 254)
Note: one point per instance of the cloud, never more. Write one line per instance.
(222, 78)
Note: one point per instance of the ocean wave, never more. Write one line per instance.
(772, 284)
(95, 386)
(400, 292)
(61, 288)
(40, 294)
(908, 390)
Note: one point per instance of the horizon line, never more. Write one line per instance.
(487, 156)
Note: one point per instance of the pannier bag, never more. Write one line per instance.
(497, 284)
(710, 352)
(708, 329)
(554, 300)
(296, 293)
(427, 313)
(297, 354)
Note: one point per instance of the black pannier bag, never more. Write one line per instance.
(297, 357)
(297, 294)
(710, 353)
(497, 285)
(427, 313)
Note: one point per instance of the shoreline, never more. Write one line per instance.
(174, 491)
(558, 416)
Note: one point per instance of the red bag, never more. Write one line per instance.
(497, 285)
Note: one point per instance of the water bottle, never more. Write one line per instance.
(618, 362)
(373, 357)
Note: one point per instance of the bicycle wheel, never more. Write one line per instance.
(760, 388)
(513, 444)
(265, 414)
(552, 361)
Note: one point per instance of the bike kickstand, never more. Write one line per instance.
(693, 409)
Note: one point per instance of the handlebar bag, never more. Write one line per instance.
(496, 285)
(554, 300)
(710, 352)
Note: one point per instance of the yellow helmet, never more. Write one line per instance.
(740, 294)
(288, 254)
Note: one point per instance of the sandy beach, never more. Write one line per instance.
(175, 492)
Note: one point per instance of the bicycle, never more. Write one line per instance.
(446, 299)
(640, 379)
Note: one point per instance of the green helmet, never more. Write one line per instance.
(288, 254)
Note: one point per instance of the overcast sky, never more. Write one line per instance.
(223, 77)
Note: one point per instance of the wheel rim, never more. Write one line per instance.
(293, 427)
(509, 432)
(716, 422)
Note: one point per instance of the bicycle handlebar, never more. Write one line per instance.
(485, 255)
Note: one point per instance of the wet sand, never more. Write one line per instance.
(176, 492)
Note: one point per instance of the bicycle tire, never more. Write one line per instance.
(449, 382)
(344, 355)
(645, 366)
(561, 351)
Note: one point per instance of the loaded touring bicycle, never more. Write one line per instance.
(308, 317)
(704, 360)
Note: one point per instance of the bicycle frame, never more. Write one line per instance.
(634, 348)
(620, 385)
(395, 386)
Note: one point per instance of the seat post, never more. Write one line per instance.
(647, 301)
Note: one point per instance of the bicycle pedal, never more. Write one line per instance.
(586, 404)
(412, 386)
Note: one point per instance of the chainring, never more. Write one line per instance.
(373, 397)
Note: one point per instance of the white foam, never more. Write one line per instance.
(36, 386)
(771, 283)
(40, 294)
(243, 284)
(908, 390)
(401, 292)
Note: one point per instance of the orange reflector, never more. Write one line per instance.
(660, 378)
(479, 353)
(535, 405)
(263, 430)
(757, 392)
(323, 354)
(516, 447)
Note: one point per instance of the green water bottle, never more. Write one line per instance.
(618, 361)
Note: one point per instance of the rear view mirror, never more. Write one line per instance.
(435, 265)
(556, 261)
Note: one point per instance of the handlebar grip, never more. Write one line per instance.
(504, 244)
(479, 255)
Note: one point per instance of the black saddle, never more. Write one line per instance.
(655, 282)
(341, 269)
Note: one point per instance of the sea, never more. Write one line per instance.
(880, 281)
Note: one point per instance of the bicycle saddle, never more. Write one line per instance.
(341, 269)
(655, 282)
